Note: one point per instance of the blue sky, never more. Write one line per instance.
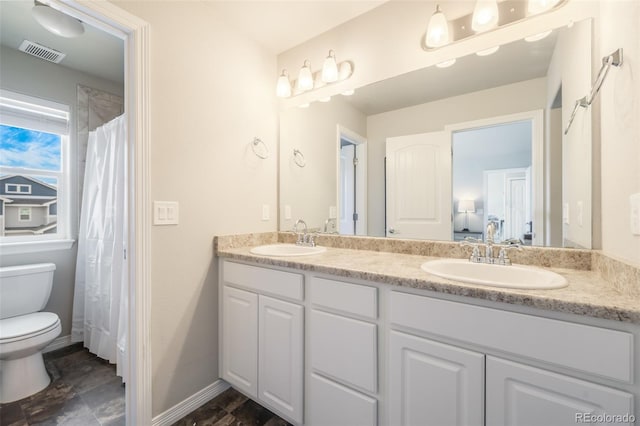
(28, 148)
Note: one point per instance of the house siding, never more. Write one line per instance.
(12, 219)
(37, 190)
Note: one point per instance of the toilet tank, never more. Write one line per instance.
(25, 289)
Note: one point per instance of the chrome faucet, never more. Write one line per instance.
(489, 244)
(303, 238)
(489, 241)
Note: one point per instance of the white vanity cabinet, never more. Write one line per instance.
(441, 384)
(262, 336)
(343, 346)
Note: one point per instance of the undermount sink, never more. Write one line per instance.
(514, 276)
(287, 250)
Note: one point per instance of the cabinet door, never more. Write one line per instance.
(431, 383)
(280, 363)
(331, 404)
(521, 395)
(240, 339)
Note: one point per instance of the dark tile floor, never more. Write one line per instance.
(231, 408)
(84, 391)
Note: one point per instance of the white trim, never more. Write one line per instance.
(537, 159)
(59, 343)
(18, 186)
(135, 34)
(190, 404)
(24, 247)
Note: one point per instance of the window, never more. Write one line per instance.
(34, 169)
(24, 214)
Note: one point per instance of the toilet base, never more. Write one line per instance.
(22, 377)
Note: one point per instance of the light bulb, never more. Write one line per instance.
(446, 64)
(487, 52)
(330, 68)
(305, 78)
(538, 6)
(438, 30)
(485, 15)
(283, 87)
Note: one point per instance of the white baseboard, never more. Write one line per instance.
(190, 404)
(58, 343)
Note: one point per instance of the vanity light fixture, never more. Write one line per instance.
(305, 77)
(438, 30)
(57, 22)
(485, 15)
(330, 68)
(283, 87)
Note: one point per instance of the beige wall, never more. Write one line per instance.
(312, 189)
(620, 127)
(509, 99)
(211, 93)
(31, 76)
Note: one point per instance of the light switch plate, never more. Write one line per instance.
(165, 213)
(634, 204)
(287, 212)
(333, 212)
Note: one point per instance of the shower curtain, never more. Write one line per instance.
(100, 295)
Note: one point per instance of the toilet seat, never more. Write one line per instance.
(27, 326)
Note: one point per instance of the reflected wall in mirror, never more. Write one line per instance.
(401, 156)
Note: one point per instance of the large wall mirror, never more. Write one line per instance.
(438, 153)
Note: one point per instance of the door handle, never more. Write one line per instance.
(392, 231)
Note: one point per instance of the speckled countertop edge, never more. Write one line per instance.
(586, 294)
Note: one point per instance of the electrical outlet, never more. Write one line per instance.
(333, 212)
(634, 204)
(265, 212)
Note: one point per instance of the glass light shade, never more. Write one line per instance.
(330, 68)
(538, 6)
(485, 15)
(57, 22)
(538, 36)
(345, 71)
(466, 206)
(283, 87)
(446, 64)
(437, 30)
(487, 52)
(305, 78)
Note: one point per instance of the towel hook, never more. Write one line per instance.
(298, 158)
(260, 152)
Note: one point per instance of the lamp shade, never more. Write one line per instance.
(283, 87)
(330, 68)
(485, 15)
(538, 6)
(305, 78)
(437, 30)
(466, 206)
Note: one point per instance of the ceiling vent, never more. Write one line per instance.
(42, 52)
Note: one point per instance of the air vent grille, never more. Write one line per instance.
(42, 52)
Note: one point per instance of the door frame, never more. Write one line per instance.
(537, 158)
(135, 34)
(360, 143)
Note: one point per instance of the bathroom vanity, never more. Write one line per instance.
(363, 337)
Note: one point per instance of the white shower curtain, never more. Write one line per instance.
(100, 295)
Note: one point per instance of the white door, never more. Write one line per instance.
(347, 189)
(431, 383)
(240, 339)
(419, 186)
(281, 354)
(521, 395)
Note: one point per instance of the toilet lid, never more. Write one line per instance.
(23, 325)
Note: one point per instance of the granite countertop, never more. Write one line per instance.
(587, 293)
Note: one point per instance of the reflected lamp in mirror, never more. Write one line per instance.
(466, 207)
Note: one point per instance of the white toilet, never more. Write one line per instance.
(24, 331)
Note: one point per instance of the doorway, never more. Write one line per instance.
(352, 183)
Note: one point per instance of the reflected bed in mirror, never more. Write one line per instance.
(439, 153)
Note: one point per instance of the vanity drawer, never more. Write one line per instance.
(354, 299)
(333, 404)
(264, 280)
(593, 350)
(344, 349)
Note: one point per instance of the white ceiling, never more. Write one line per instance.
(277, 25)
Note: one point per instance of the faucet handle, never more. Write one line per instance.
(503, 258)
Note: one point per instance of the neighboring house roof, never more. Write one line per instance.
(34, 180)
(6, 200)
(38, 230)
(31, 202)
